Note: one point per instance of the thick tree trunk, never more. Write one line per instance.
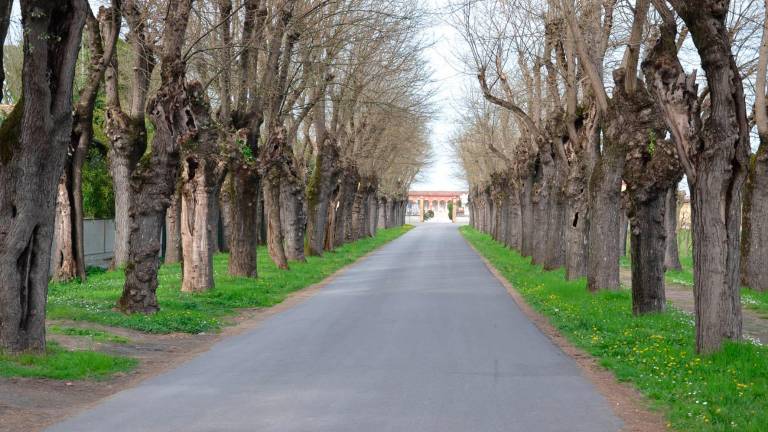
(275, 246)
(199, 193)
(33, 149)
(556, 221)
(540, 200)
(202, 173)
(153, 180)
(273, 164)
(319, 192)
(577, 228)
(648, 239)
(672, 254)
(241, 193)
(382, 213)
(294, 217)
(526, 214)
(715, 155)
(605, 220)
(514, 224)
(373, 212)
(173, 220)
(754, 236)
(120, 167)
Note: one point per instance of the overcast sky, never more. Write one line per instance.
(449, 83)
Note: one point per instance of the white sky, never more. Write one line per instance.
(443, 173)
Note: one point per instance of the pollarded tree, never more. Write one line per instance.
(714, 152)
(33, 150)
(754, 234)
(126, 128)
(173, 114)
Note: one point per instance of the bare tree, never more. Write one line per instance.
(33, 149)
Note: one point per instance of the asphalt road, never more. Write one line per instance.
(417, 337)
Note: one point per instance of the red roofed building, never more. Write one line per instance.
(437, 201)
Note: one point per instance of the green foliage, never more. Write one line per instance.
(651, 142)
(61, 364)
(98, 192)
(450, 210)
(94, 335)
(725, 391)
(95, 299)
(428, 214)
(246, 151)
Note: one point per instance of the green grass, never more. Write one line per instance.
(94, 335)
(723, 392)
(61, 364)
(95, 299)
(755, 300)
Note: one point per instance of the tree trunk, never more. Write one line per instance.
(241, 193)
(121, 164)
(715, 156)
(33, 149)
(754, 236)
(294, 217)
(540, 199)
(273, 163)
(577, 228)
(623, 231)
(373, 212)
(153, 180)
(64, 262)
(672, 254)
(199, 192)
(514, 224)
(526, 214)
(319, 192)
(648, 238)
(382, 213)
(202, 173)
(556, 221)
(173, 220)
(605, 219)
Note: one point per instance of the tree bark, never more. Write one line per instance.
(319, 193)
(127, 131)
(202, 173)
(33, 149)
(173, 220)
(153, 180)
(715, 156)
(648, 238)
(69, 262)
(294, 215)
(271, 170)
(526, 214)
(754, 236)
(672, 254)
(64, 262)
(241, 192)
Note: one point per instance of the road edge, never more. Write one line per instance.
(243, 320)
(625, 400)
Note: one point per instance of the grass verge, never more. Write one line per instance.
(722, 392)
(93, 335)
(755, 300)
(95, 299)
(61, 364)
